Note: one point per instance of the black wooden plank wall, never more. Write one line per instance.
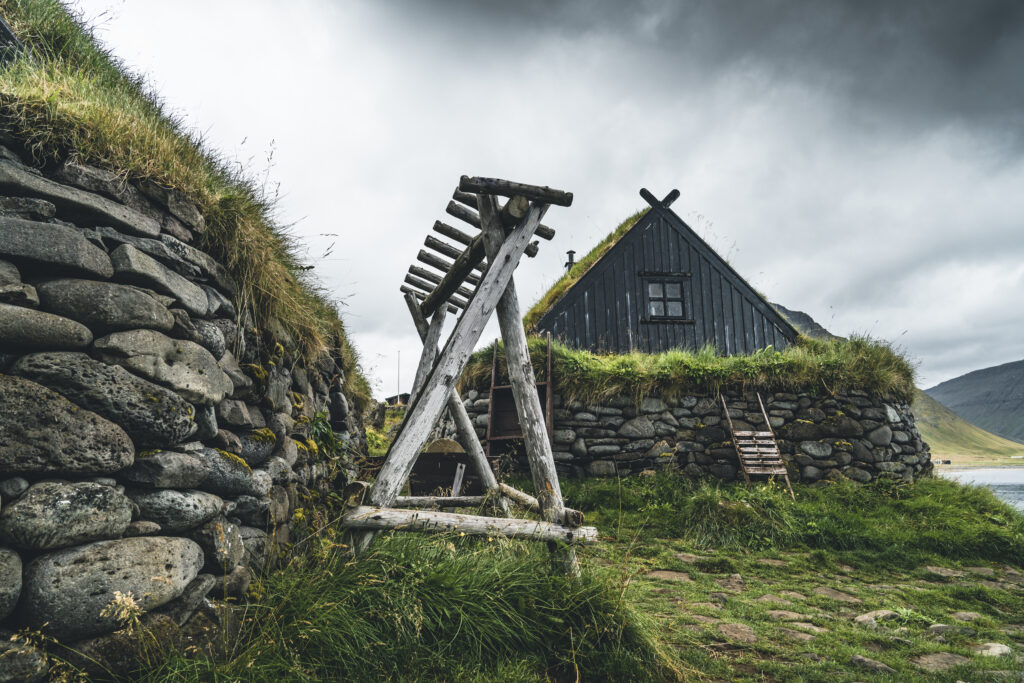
(606, 310)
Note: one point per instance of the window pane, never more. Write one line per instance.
(658, 307)
(673, 290)
(675, 309)
(654, 290)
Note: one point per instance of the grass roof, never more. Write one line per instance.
(811, 365)
(73, 100)
(579, 269)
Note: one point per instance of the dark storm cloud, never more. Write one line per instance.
(919, 63)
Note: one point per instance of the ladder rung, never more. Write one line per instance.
(748, 433)
(766, 470)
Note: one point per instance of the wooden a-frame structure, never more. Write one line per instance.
(478, 282)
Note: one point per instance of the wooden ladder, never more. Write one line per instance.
(758, 451)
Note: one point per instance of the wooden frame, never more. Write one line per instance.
(505, 235)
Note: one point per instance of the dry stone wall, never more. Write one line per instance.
(153, 443)
(849, 435)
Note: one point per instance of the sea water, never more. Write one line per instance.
(1006, 482)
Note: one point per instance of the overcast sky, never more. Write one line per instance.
(861, 161)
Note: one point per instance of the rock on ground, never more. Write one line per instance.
(27, 328)
(53, 514)
(176, 511)
(43, 432)
(67, 590)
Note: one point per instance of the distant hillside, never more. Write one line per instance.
(949, 435)
(946, 432)
(992, 398)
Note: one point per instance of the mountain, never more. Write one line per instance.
(946, 432)
(949, 435)
(992, 398)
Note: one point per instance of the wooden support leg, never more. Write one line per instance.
(423, 413)
(429, 350)
(524, 385)
(463, 423)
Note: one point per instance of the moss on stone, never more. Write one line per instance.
(263, 435)
(234, 459)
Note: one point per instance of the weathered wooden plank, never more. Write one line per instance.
(524, 384)
(435, 261)
(508, 188)
(462, 238)
(438, 501)
(429, 351)
(524, 499)
(423, 413)
(420, 296)
(427, 289)
(380, 518)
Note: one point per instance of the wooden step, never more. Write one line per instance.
(764, 435)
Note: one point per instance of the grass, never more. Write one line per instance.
(73, 100)
(809, 365)
(580, 269)
(432, 608)
(449, 608)
(950, 436)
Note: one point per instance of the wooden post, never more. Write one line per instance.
(429, 351)
(524, 383)
(460, 472)
(463, 423)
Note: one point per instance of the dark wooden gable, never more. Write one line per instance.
(610, 308)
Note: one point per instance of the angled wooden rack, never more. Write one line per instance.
(758, 451)
(475, 279)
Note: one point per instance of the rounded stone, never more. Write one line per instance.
(176, 511)
(165, 470)
(55, 514)
(10, 581)
(43, 432)
(152, 416)
(222, 544)
(811, 473)
(227, 474)
(27, 328)
(66, 591)
(184, 366)
(104, 306)
(210, 337)
(11, 488)
(816, 449)
(257, 446)
(881, 436)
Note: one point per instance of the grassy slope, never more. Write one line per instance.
(950, 436)
(73, 100)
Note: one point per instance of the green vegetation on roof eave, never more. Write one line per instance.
(73, 100)
(810, 365)
(564, 283)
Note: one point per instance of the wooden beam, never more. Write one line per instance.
(380, 518)
(434, 279)
(419, 296)
(524, 499)
(466, 262)
(473, 218)
(429, 351)
(435, 261)
(438, 501)
(428, 288)
(507, 188)
(423, 413)
(446, 249)
(462, 238)
(463, 424)
(524, 385)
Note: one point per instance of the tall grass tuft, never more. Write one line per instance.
(809, 365)
(73, 100)
(434, 608)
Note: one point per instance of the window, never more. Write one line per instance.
(665, 299)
